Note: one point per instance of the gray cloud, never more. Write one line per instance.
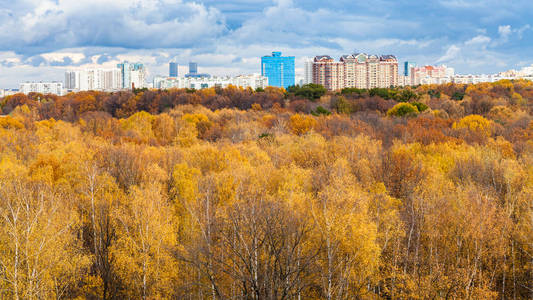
(48, 25)
(228, 37)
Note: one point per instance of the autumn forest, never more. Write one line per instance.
(407, 193)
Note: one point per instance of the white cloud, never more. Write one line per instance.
(62, 56)
(52, 25)
(50, 35)
(474, 53)
(479, 40)
(504, 31)
(452, 53)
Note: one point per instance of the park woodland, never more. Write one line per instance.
(419, 192)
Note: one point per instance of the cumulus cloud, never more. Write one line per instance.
(284, 23)
(451, 54)
(136, 24)
(504, 31)
(230, 36)
(473, 53)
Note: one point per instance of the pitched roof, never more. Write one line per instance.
(388, 56)
(323, 57)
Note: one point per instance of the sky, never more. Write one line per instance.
(41, 39)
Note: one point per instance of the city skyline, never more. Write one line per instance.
(229, 37)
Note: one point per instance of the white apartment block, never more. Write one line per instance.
(138, 78)
(133, 75)
(245, 81)
(55, 88)
(8, 92)
(93, 80)
(308, 71)
(473, 79)
(431, 75)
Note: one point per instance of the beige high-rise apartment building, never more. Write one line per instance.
(328, 73)
(356, 71)
(388, 72)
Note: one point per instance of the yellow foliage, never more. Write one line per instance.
(143, 251)
(187, 135)
(500, 113)
(185, 182)
(301, 124)
(167, 207)
(10, 168)
(8, 122)
(208, 92)
(194, 118)
(268, 120)
(207, 158)
(140, 123)
(504, 147)
(475, 123)
(257, 107)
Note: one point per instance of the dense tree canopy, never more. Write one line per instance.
(242, 194)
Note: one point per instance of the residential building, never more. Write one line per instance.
(308, 71)
(245, 81)
(8, 92)
(253, 81)
(299, 80)
(193, 71)
(42, 88)
(473, 79)
(328, 73)
(431, 75)
(193, 68)
(388, 71)
(72, 80)
(356, 67)
(172, 69)
(133, 75)
(278, 69)
(356, 71)
(407, 66)
(526, 71)
(98, 79)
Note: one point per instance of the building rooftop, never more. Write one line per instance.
(388, 56)
(323, 57)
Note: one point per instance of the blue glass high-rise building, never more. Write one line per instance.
(193, 71)
(193, 68)
(172, 69)
(407, 67)
(278, 69)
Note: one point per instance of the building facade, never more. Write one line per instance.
(8, 92)
(193, 71)
(55, 88)
(356, 71)
(193, 68)
(278, 69)
(308, 71)
(93, 80)
(172, 69)
(245, 81)
(133, 75)
(407, 66)
(431, 75)
(328, 73)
